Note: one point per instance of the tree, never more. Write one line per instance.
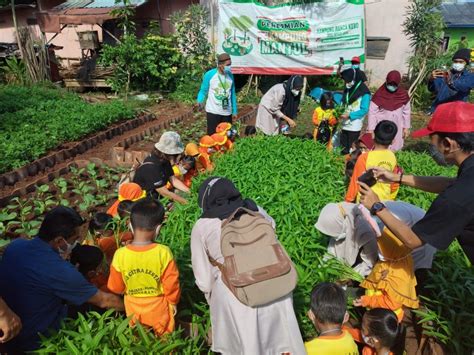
(424, 27)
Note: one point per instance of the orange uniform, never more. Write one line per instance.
(127, 191)
(375, 158)
(149, 278)
(391, 283)
(206, 149)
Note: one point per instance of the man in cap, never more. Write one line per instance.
(157, 170)
(454, 84)
(451, 214)
(218, 86)
(355, 64)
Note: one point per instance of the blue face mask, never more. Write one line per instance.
(356, 66)
(227, 69)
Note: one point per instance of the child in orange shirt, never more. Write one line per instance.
(146, 272)
(88, 261)
(127, 191)
(380, 156)
(206, 150)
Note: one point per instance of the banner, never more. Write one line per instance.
(307, 39)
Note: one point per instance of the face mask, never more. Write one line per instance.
(211, 150)
(69, 247)
(227, 69)
(295, 92)
(392, 88)
(458, 66)
(356, 66)
(437, 156)
(182, 170)
(350, 85)
(366, 339)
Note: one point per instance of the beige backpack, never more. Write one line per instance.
(256, 267)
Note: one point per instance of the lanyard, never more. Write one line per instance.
(220, 80)
(347, 94)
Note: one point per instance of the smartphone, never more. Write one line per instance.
(368, 178)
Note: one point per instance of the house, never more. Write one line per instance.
(388, 48)
(459, 20)
(61, 22)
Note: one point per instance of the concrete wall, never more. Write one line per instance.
(7, 31)
(384, 19)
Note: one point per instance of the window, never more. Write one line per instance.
(377, 47)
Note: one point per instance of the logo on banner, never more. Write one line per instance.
(237, 42)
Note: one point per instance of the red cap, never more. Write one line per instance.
(452, 117)
(355, 60)
(367, 140)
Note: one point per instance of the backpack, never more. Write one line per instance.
(324, 132)
(256, 268)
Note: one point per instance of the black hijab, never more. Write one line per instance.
(292, 102)
(357, 90)
(219, 198)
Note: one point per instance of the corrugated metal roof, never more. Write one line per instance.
(90, 4)
(458, 15)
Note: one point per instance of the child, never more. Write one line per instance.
(328, 313)
(227, 130)
(146, 272)
(392, 283)
(380, 156)
(381, 333)
(88, 260)
(182, 171)
(222, 142)
(124, 208)
(127, 191)
(363, 145)
(206, 150)
(324, 120)
(99, 227)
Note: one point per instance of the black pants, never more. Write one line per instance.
(213, 121)
(347, 138)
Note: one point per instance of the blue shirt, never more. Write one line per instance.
(34, 282)
(459, 90)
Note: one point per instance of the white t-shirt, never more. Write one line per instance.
(220, 88)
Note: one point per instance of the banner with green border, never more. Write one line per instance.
(291, 38)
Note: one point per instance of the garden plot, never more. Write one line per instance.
(292, 179)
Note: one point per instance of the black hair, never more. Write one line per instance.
(99, 221)
(124, 208)
(465, 140)
(164, 157)
(383, 324)
(350, 164)
(250, 130)
(385, 132)
(88, 257)
(328, 303)
(61, 221)
(327, 101)
(147, 214)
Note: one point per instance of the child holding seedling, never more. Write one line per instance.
(324, 120)
(328, 314)
(146, 272)
(392, 283)
(381, 333)
(380, 156)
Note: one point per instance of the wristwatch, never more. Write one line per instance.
(376, 208)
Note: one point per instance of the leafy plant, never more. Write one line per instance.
(14, 72)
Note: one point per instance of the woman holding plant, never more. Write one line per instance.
(236, 327)
(279, 107)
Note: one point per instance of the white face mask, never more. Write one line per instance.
(366, 339)
(69, 247)
(182, 170)
(392, 88)
(350, 85)
(295, 92)
(458, 66)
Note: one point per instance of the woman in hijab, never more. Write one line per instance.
(279, 106)
(236, 328)
(391, 102)
(356, 98)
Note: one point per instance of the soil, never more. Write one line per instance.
(163, 111)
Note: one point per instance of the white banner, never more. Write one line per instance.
(306, 39)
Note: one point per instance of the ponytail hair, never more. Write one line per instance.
(383, 324)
